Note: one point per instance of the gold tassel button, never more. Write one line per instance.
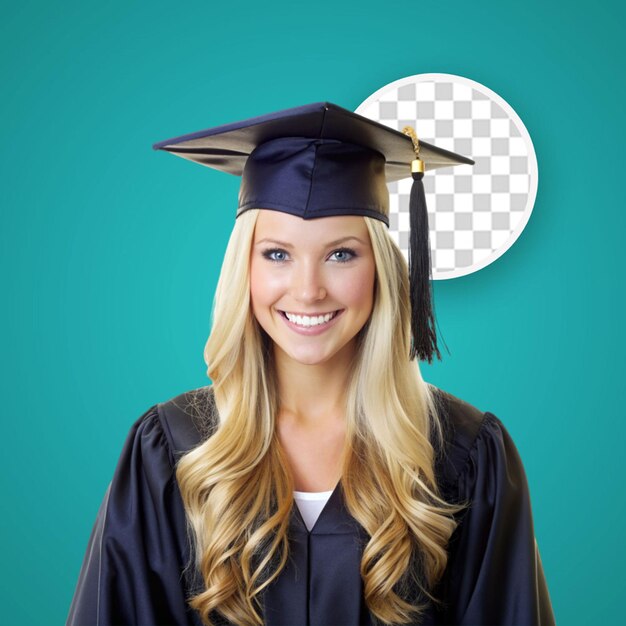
(417, 166)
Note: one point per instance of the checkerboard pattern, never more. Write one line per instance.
(475, 212)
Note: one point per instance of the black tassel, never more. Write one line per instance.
(422, 317)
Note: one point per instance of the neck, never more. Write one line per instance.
(313, 394)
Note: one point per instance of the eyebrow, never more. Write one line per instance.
(330, 244)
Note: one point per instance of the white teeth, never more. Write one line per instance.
(306, 320)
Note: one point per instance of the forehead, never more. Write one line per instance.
(293, 229)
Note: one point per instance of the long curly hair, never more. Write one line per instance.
(236, 488)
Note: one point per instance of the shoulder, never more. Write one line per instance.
(170, 429)
(470, 436)
(188, 419)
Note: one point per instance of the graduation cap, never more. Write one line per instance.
(321, 160)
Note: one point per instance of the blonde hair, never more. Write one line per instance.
(236, 487)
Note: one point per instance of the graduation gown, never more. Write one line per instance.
(134, 567)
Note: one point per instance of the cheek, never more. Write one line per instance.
(265, 285)
(358, 291)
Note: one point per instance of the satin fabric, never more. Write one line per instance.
(313, 178)
(134, 567)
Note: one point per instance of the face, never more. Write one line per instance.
(311, 284)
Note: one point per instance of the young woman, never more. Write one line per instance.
(319, 479)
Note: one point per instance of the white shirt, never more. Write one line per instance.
(311, 504)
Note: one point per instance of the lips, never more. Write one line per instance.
(310, 324)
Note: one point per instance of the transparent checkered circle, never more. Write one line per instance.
(477, 212)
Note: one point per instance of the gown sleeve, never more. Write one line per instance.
(496, 576)
(132, 572)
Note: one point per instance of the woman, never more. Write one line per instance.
(319, 480)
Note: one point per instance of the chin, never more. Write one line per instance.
(309, 357)
(317, 354)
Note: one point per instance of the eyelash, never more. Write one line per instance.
(268, 254)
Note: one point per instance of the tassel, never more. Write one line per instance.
(422, 317)
(424, 344)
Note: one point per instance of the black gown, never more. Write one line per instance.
(134, 567)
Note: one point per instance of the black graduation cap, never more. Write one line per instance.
(320, 160)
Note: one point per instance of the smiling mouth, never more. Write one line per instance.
(307, 321)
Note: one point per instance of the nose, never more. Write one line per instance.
(308, 283)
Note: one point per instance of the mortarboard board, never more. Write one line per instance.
(321, 160)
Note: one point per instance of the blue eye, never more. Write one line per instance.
(343, 255)
(276, 255)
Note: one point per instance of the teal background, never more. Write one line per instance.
(110, 252)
